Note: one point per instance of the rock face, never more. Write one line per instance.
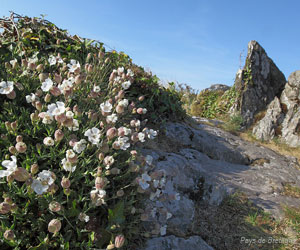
(283, 115)
(201, 162)
(216, 87)
(257, 83)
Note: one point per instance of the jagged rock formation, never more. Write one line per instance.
(283, 115)
(257, 83)
(202, 162)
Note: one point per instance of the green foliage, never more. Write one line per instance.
(234, 124)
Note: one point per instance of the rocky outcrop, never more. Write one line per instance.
(198, 162)
(283, 115)
(257, 83)
(218, 87)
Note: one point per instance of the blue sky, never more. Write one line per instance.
(189, 41)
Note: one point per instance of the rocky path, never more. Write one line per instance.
(202, 162)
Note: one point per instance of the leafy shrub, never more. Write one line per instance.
(72, 116)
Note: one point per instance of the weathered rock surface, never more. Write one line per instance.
(258, 83)
(201, 162)
(216, 87)
(284, 113)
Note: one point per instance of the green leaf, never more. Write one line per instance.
(116, 215)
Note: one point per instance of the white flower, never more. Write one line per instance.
(155, 183)
(143, 181)
(122, 141)
(123, 103)
(93, 135)
(96, 89)
(144, 110)
(69, 114)
(31, 98)
(33, 59)
(137, 123)
(108, 161)
(47, 85)
(12, 62)
(38, 187)
(52, 60)
(70, 153)
(56, 108)
(75, 125)
(177, 196)
(48, 119)
(10, 166)
(151, 134)
(141, 136)
(73, 65)
(83, 217)
(66, 84)
(163, 230)
(120, 70)
(106, 107)
(153, 212)
(149, 159)
(130, 73)
(46, 177)
(6, 87)
(126, 85)
(127, 131)
(80, 146)
(68, 165)
(169, 215)
(117, 80)
(112, 118)
(48, 141)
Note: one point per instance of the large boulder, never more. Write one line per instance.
(257, 83)
(283, 115)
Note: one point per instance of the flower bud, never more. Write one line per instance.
(101, 55)
(38, 105)
(14, 125)
(12, 150)
(10, 178)
(61, 118)
(34, 168)
(101, 157)
(67, 191)
(116, 145)
(21, 174)
(24, 63)
(65, 182)
(68, 122)
(12, 95)
(107, 60)
(43, 76)
(58, 135)
(135, 137)
(8, 125)
(40, 68)
(8, 200)
(120, 109)
(5, 208)
(100, 183)
(119, 241)
(78, 79)
(54, 206)
(9, 234)
(47, 98)
(57, 78)
(54, 226)
(31, 66)
(90, 68)
(111, 133)
(21, 147)
(58, 42)
(55, 91)
(140, 111)
(19, 86)
(88, 57)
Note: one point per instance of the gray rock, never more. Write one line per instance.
(216, 87)
(265, 128)
(176, 243)
(258, 83)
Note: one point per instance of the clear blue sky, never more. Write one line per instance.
(189, 41)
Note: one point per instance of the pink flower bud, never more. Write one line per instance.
(34, 168)
(132, 123)
(43, 76)
(21, 174)
(101, 157)
(100, 183)
(38, 105)
(54, 226)
(140, 111)
(78, 79)
(47, 98)
(57, 78)
(58, 135)
(24, 63)
(133, 152)
(120, 109)
(121, 94)
(119, 241)
(5, 208)
(19, 86)
(72, 142)
(12, 95)
(9, 234)
(68, 122)
(12, 150)
(8, 125)
(40, 68)
(19, 138)
(101, 55)
(135, 137)
(21, 147)
(111, 133)
(73, 159)
(65, 182)
(141, 98)
(54, 206)
(55, 91)
(31, 66)
(116, 145)
(90, 68)
(121, 131)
